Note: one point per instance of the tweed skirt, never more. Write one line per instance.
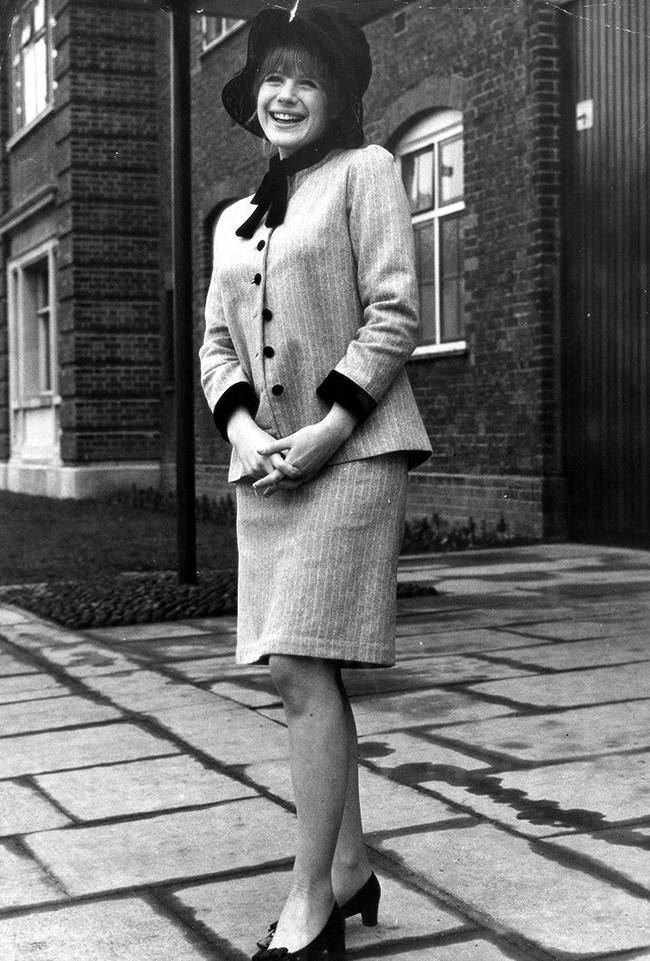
(318, 565)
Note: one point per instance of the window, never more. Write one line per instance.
(31, 62)
(215, 29)
(431, 157)
(34, 346)
(33, 363)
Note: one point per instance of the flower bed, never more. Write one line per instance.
(139, 599)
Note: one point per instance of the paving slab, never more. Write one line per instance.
(389, 712)
(512, 886)
(52, 713)
(34, 634)
(23, 809)
(596, 652)
(30, 687)
(412, 759)
(608, 790)
(22, 881)
(254, 687)
(10, 665)
(608, 729)
(240, 910)
(385, 805)
(100, 931)
(479, 796)
(222, 624)
(228, 837)
(143, 691)
(135, 632)
(624, 850)
(80, 747)
(475, 950)
(164, 650)
(10, 615)
(140, 632)
(139, 786)
(572, 688)
(421, 672)
(571, 630)
(200, 670)
(467, 641)
(227, 732)
(85, 659)
(249, 694)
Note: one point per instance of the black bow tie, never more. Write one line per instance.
(273, 192)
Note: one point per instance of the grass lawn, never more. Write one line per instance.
(46, 539)
(73, 562)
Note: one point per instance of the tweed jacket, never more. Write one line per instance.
(323, 308)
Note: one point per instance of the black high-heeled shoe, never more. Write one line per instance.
(365, 902)
(331, 940)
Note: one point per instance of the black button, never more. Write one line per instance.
(261, 245)
(269, 352)
(267, 314)
(257, 279)
(277, 389)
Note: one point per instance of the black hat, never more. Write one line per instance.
(335, 36)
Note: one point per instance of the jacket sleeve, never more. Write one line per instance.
(381, 235)
(225, 385)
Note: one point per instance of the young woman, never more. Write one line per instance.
(310, 318)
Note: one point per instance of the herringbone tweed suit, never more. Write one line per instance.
(323, 308)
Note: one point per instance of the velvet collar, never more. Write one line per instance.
(272, 194)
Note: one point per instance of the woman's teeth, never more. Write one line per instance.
(286, 118)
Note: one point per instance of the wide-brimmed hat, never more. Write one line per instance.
(339, 41)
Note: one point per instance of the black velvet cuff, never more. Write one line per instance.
(339, 389)
(239, 395)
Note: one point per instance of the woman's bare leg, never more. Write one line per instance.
(350, 868)
(318, 746)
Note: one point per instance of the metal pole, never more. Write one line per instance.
(183, 327)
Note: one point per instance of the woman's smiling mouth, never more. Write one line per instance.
(286, 118)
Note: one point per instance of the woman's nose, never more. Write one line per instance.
(287, 91)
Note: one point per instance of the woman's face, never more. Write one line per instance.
(292, 109)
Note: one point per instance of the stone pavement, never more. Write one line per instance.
(146, 811)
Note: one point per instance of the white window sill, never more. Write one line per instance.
(427, 351)
(36, 403)
(27, 129)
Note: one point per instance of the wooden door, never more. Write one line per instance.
(606, 393)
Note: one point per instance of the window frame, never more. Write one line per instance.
(434, 130)
(226, 31)
(19, 125)
(21, 397)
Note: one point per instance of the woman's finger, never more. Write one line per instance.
(268, 481)
(276, 447)
(291, 471)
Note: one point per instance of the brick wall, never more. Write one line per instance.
(108, 184)
(4, 201)
(492, 413)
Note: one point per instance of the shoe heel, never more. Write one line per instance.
(370, 915)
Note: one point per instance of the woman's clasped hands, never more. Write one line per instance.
(303, 453)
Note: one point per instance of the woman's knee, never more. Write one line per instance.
(301, 681)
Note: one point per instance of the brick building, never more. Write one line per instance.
(531, 375)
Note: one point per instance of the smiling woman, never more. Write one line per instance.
(292, 109)
(292, 101)
(310, 318)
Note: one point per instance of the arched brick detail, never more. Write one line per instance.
(431, 93)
